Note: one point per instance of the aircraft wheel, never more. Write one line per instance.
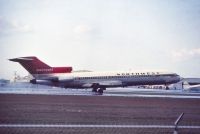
(94, 90)
(100, 91)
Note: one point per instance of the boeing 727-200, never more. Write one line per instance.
(98, 81)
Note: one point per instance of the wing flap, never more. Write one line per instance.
(102, 83)
(110, 83)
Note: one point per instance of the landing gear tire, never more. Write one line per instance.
(100, 91)
(95, 86)
(94, 90)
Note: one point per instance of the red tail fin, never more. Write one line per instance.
(34, 66)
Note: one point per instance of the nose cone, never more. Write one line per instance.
(173, 79)
(178, 78)
(181, 78)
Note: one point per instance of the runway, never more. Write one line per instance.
(43, 113)
(24, 88)
(90, 126)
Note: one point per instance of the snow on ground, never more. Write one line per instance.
(27, 88)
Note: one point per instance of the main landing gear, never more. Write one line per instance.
(167, 87)
(98, 90)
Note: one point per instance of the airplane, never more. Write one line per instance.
(65, 76)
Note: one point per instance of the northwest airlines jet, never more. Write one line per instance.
(98, 81)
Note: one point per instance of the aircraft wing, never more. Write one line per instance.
(103, 83)
(110, 83)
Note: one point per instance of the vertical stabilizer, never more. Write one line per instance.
(35, 66)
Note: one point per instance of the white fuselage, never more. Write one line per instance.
(107, 79)
(98, 81)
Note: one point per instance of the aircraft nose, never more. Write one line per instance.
(181, 78)
(178, 78)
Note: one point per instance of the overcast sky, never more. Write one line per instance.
(102, 35)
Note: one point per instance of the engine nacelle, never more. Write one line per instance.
(33, 81)
(42, 82)
(53, 82)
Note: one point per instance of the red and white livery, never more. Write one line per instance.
(98, 81)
